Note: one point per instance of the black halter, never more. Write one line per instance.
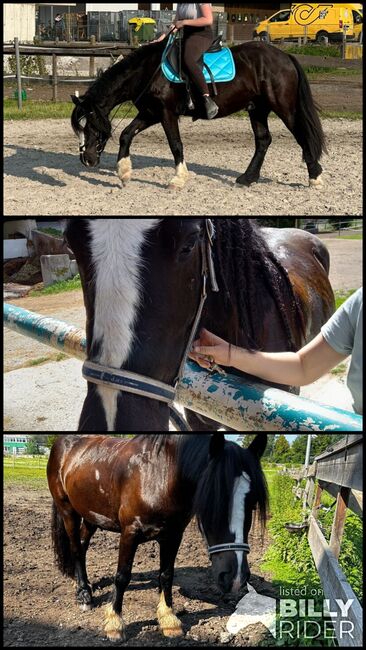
(137, 384)
(225, 548)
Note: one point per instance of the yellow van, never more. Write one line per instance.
(317, 20)
(357, 12)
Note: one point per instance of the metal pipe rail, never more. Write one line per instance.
(241, 406)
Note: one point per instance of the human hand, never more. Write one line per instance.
(210, 349)
(179, 24)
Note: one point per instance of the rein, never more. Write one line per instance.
(130, 382)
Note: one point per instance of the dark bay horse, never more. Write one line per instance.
(142, 282)
(149, 488)
(267, 79)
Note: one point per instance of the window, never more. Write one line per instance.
(283, 16)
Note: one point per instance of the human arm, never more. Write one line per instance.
(203, 21)
(286, 368)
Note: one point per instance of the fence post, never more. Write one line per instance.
(19, 73)
(339, 521)
(92, 60)
(54, 77)
(317, 502)
(305, 35)
(344, 42)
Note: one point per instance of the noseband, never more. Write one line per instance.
(225, 548)
(101, 140)
(130, 382)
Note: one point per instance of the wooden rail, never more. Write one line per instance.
(339, 472)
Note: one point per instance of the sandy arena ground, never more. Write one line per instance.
(43, 174)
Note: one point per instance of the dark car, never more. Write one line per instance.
(312, 228)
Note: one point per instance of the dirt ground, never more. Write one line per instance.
(43, 174)
(39, 603)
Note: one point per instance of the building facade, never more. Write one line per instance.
(15, 444)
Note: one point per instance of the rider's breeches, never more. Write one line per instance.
(196, 41)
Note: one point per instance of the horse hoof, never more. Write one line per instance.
(124, 170)
(317, 183)
(115, 636)
(85, 607)
(171, 633)
(243, 180)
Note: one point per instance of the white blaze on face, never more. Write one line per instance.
(116, 257)
(81, 133)
(241, 489)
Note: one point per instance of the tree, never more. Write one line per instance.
(282, 450)
(278, 223)
(32, 446)
(298, 449)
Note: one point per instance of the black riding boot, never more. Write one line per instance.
(211, 107)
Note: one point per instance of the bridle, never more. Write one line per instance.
(130, 382)
(225, 548)
(101, 139)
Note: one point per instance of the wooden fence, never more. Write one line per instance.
(339, 472)
(92, 51)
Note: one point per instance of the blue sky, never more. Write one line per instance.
(290, 436)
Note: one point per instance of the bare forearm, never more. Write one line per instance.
(198, 22)
(280, 368)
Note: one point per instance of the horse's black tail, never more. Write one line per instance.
(61, 545)
(308, 128)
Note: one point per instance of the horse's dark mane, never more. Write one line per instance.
(216, 486)
(244, 260)
(105, 82)
(215, 480)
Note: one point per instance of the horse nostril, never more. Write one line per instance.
(224, 581)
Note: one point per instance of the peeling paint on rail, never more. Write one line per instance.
(241, 406)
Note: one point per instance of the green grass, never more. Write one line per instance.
(59, 287)
(51, 231)
(28, 471)
(41, 110)
(338, 72)
(357, 236)
(36, 110)
(342, 295)
(314, 50)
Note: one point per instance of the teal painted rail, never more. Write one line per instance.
(243, 407)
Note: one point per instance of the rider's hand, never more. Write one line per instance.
(179, 24)
(210, 348)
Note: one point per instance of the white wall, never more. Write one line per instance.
(19, 20)
(122, 6)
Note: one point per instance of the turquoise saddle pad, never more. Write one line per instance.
(221, 64)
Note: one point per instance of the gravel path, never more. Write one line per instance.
(43, 175)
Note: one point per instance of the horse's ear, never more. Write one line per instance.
(217, 445)
(259, 444)
(76, 100)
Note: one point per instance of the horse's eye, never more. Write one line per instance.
(188, 246)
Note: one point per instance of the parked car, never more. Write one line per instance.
(312, 228)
